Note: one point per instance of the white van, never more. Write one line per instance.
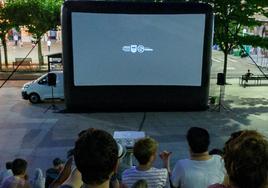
(39, 90)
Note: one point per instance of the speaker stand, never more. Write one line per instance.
(52, 106)
(221, 105)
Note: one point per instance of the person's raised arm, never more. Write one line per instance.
(165, 156)
(64, 174)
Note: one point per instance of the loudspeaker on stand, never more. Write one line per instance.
(220, 79)
(51, 79)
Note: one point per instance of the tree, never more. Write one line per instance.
(38, 16)
(231, 16)
(5, 26)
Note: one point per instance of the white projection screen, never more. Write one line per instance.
(137, 49)
(136, 56)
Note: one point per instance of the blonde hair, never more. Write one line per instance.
(144, 149)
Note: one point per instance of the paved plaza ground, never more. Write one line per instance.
(29, 132)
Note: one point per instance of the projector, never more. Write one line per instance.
(128, 138)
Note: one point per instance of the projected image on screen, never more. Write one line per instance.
(132, 49)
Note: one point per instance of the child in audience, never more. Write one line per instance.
(19, 178)
(52, 173)
(145, 151)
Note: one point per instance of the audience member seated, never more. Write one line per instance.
(202, 169)
(245, 158)
(96, 158)
(38, 180)
(64, 174)
(7, 172)
(145, 151)
(68, 170)
(248, 75)
(19, 178)
(52, 173)
(140, 184)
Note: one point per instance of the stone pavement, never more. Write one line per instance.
(27, 131)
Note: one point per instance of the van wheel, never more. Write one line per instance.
(34, 98)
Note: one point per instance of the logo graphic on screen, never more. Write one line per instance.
(134, 48)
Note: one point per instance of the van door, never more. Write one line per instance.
(42, 88)
(58, 89)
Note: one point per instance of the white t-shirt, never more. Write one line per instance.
(192, 174)
(48, 43)
(155, 178)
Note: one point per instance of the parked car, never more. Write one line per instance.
(40, 89)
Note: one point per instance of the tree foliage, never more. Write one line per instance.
(231, 17)
(38, 16)
(5, 26)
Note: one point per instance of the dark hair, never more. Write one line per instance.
(198, 139)
(215, 151)
(144, 149)
(96, 156)
(19, 166)
(57, 162)
(81, 133)
(246, 159)
(233, 136)
(9, 165)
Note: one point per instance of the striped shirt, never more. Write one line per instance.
(155, 178)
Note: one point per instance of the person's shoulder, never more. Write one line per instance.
(184, 162)
(217, 158)
(159, 170)
(129, 170)
(8, 179)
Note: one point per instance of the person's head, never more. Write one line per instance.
(96, 156)
(9, 165)
(233, 136)
(140, 184)
(81, 133)
(248, 70)
(19, 167)
(246, 159)
(145, 150)
(58, 163)
(198, 139)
